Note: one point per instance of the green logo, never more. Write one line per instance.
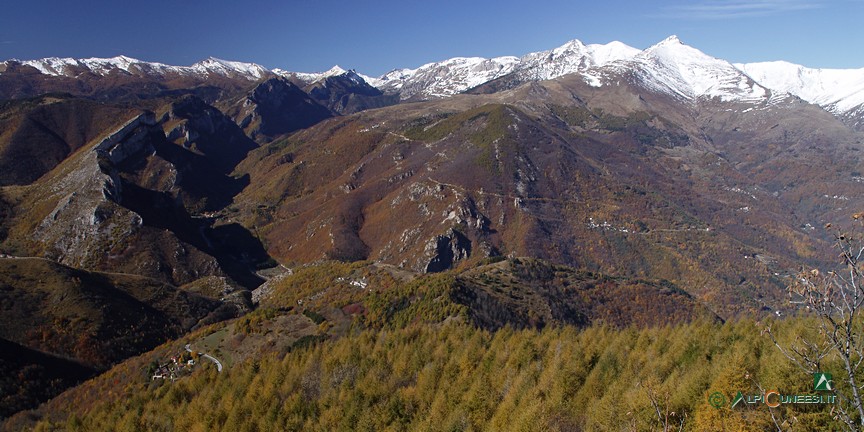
(738, 398)
(717, 400)
(774, 398)
(822, 381)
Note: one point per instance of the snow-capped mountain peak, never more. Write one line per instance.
(334, 71)
(672, 49)
(56, 66)
(592, 54)
(572, 57)
(351, 75)
(685, 72)
(611, 52)
(670, 40)
(70, 67)
(311, 77)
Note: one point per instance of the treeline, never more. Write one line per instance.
(454, 376)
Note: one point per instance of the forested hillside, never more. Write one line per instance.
(456, 377)
(362, 347)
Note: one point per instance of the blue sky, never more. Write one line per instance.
(307, 35)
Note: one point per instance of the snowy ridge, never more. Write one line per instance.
(73, 68)
(309, 78)
(839, 91)
(446, 78)
(396, 78)
(70, 67)
(230, 68)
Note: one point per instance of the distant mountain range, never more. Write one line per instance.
(320, 135)
(669, 66)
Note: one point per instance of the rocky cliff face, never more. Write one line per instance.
(130, 202)
(87, 217)
(446, 250)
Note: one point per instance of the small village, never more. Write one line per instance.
(177, 366)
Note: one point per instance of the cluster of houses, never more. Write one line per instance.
(176, 367)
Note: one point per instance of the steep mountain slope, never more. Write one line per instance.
(638, 188)
(275, 107)
(454, 376)
(635, 183)
(428, 186)
(423, 353)
(100, 195)
(29, 377)
(96, 318)
(322, 303)
(526, 292)
(60, 325)
(36, 135)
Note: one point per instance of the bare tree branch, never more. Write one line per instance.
(836, 299)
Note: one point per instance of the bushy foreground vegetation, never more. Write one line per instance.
(453, 376)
